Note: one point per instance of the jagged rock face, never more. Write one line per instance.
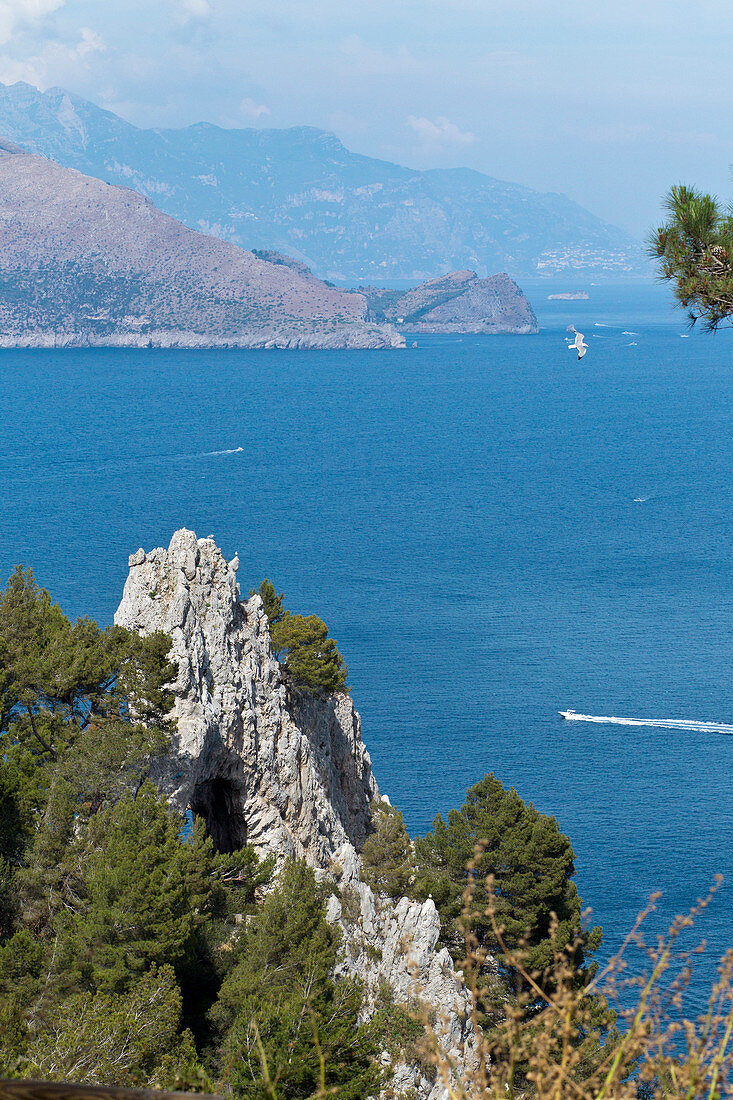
(396, 943)
(286, 775)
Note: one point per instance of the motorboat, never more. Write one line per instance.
(566, 713)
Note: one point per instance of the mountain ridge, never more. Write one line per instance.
(459, 302)
(349, 217)
(87, 263)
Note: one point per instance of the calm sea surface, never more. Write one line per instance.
(463, 516)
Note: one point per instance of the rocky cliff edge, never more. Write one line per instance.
(288, 774)
(287, 777)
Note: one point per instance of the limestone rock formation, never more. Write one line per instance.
(396, 943)
(287, 773)
(289, 776)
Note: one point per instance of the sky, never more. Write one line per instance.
(607, 102)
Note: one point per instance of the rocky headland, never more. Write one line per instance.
(86, 264)
(288, 773)
(460, 302)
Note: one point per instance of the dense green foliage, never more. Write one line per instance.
(499, 866)
(387, 860)
(531, 862)
(132, 956)
(302, 645)
(281, 1014)
(128, 954)
(112, 929)
(311, 658)
(695, 252)
(271, 602)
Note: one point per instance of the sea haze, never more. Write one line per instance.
(493, 531)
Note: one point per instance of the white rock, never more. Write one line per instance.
(288, 775)
(395, 942)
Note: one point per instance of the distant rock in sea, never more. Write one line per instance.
(85, 264)
(457, 303)
(569, 296)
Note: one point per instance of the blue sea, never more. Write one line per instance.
(493, 531)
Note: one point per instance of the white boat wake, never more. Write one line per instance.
(658, 723)
(231, 451)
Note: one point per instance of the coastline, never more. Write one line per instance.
(357, 336)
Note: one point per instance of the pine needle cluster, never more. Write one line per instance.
(694, 248)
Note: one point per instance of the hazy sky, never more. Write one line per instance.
(608, 102)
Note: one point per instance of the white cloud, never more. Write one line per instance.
(90, 42)
(439, 132)
(252, 110)
(344, 122)
(32, 72)
(56, 62)
(14, 13)
(196, 9)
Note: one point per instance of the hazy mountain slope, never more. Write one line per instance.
(300, 191)
(85, 262)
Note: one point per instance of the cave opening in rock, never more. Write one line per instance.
(217, 800)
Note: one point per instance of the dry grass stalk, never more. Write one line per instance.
(548, 1045)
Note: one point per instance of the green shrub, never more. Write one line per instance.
(302, 645)
(387, 858)
(311, 658)
(289, 1029)
(271, 602)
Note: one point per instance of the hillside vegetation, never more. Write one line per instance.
(133, 953)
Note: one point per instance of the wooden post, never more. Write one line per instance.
(52, 1090)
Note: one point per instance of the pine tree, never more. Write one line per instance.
(311, 658)
(129, 1040)
(301, 643)
(533, 866)
(284, 1020)
(695, 252)
(387, 857)
(271, 602)
(141, 893)
(94, 701)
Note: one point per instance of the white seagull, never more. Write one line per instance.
(578, 344)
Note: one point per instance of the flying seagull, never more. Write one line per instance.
(578, 344)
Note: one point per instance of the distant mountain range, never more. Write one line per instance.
(350, 218)
(84, 263)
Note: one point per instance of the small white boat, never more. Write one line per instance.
(566, 713)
